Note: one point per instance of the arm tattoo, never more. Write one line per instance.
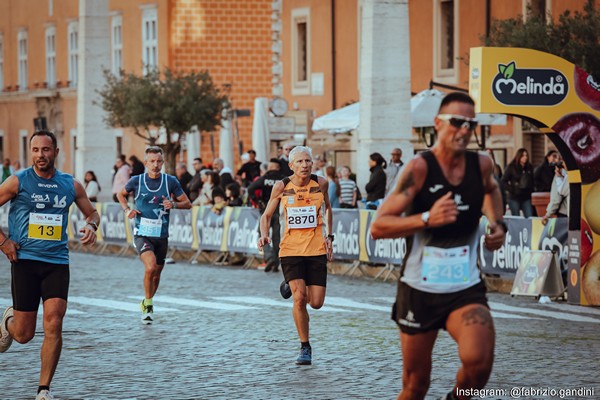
(406, 183)
(478, 315)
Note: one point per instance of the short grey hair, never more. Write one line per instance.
(298, 150)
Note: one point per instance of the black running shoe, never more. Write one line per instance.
(285, 290)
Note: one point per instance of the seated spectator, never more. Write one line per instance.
(232, 193)
(218, 200)
(210, 180)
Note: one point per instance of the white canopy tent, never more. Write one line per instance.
(423, 106)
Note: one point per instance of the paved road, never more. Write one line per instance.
(225, 333)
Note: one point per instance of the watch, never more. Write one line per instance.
(278, 106)
(501, 223)
(331, 237)
(93, 225)
(425, 218)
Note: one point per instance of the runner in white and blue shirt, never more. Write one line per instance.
(155, 194)
(36, 246)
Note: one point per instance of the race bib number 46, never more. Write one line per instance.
(302, 217)
(45, 226)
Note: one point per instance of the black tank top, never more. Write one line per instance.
(468, 196)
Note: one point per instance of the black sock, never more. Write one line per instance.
(305, 344)
(40, 388)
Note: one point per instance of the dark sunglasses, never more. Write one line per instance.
(459, 122)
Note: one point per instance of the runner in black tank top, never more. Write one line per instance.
(437, 204)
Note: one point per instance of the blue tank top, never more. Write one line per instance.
(38, 216)
(154, 219)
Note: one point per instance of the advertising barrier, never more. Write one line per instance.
(236, 230)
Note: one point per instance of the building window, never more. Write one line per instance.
(73, 53)
(22, 59)
(537, 8)
(51, 56)
(1, 145)
(117, 44)
(74, 150)
(300, 51)
(24, 147)
(1, 64)
(149, 39)
(445, 45)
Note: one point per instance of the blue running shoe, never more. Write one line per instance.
(305, 357)
(285, 290)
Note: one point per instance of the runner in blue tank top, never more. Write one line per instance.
(154, 194)
(437, 205)
(37, 248)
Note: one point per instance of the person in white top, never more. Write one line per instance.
(393, 169)
(92, 188)
(122, 175)
(559, 194)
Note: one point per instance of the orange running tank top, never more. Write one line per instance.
(301, 209)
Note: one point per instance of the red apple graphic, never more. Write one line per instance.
(587, 242)
(581, 133)
(590, 280)
(587, 89)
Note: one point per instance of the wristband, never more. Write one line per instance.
(126, 209)
(331, 237)
(4, 241)
(501, 223)
(174, 204)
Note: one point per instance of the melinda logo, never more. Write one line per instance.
(529, 86)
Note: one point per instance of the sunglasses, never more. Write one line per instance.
(459, 122)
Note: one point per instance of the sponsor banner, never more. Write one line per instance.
(528, 82)
(210, 228)
(380, 250)
(523, 234)
(112, 224)
(346, 229)
(181, 232)
(242, 230)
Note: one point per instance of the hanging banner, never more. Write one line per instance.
(565, 101)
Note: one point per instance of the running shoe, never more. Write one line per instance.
(44, 395)
(305, 357)
(285, 290)
(147, 313)
(5, 338)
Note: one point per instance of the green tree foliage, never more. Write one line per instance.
(173, 104)
(574, 37)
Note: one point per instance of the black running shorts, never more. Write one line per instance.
(416, 311)
(158, 246)
(312, 269)
(32, 280)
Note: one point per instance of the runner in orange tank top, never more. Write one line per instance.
(306, 244)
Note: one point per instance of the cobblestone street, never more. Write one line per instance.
(226, 333)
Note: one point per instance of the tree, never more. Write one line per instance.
(574, 37)
(171, 106)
